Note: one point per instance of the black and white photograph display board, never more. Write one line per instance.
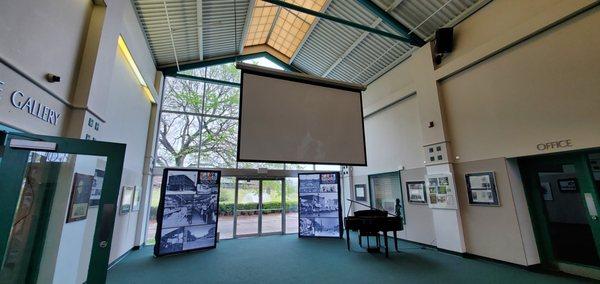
(319, 205)
(188, 211)
(481, 189)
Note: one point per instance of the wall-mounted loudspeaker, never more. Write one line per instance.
(444, 40)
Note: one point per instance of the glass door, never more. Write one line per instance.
(259, 207)
(247, 208)
(562, 192)
(271, 207)
(58, 203)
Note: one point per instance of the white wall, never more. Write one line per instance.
(128, 119)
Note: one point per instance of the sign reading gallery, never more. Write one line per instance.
(32, 106)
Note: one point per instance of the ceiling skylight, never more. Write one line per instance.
(280, 28)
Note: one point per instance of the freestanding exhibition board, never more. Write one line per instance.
(188, 211)
(319, 205)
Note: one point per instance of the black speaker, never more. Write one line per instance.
(444, 40)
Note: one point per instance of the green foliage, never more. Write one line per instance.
(227, 208)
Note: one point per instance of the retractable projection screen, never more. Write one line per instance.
(296, 118)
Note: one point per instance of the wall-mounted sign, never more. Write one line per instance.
(28, 106)
(567, 143)
(34, 107)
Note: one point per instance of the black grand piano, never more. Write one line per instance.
(369, 223)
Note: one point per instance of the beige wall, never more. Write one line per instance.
(545, 89)
(522, 73)
(42, 37)
(78, 41)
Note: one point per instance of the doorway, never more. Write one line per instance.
(259, 207)
(58, 204)
(562, 192)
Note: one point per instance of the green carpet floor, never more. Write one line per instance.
(287, 259)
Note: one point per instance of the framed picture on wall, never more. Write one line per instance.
(360, 192)
(568, 185)
(481, 189)
(547, 191)
(80, 197)
(96, 192)
(416, 192)
(127, 199)
(137, 198)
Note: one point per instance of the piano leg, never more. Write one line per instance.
(385, 240)
(348, 238)
(396, 241)
(359, 239)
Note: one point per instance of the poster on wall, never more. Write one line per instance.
(416, 192)
(188, 211)
(96, 188)
(319, 205)
(360, 192)
(80, 197)
(441, 193)
(137, 199)
(126, 199)
(481, 189)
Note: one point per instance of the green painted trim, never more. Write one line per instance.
(206, 80)
(392, 22)
(529, 168)
(11, 177)
(340, 21)
(172, 70)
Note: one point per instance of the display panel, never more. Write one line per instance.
(289, 118)
(319, 205)
(188, 211)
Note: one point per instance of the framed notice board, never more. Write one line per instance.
(188, 211)
(319, 205)
(481, 189)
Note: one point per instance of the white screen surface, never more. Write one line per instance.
(299, 122)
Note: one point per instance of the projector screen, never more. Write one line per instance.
(295, 118)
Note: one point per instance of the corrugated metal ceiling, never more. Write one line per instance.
(208, 29)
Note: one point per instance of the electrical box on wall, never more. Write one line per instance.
(437, 153)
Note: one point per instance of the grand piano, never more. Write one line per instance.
(370, 223)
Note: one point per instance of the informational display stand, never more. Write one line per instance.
(188, 211)
(319, 205)
(441, 192)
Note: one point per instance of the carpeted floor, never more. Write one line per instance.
(287, 259)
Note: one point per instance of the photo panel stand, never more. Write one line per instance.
(319, 205)
(188, 211)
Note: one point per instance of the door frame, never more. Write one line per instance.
(260, 206)
(11, 177)
(535, 204)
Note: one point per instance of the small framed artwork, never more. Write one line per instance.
(126, 199)
(481, 189)
(90, 122)
(416, 192)
(547, 191)
(96, 126)
(568, 185)
(137, 198)
(360, 192)
(96, 191)
(80, 197)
